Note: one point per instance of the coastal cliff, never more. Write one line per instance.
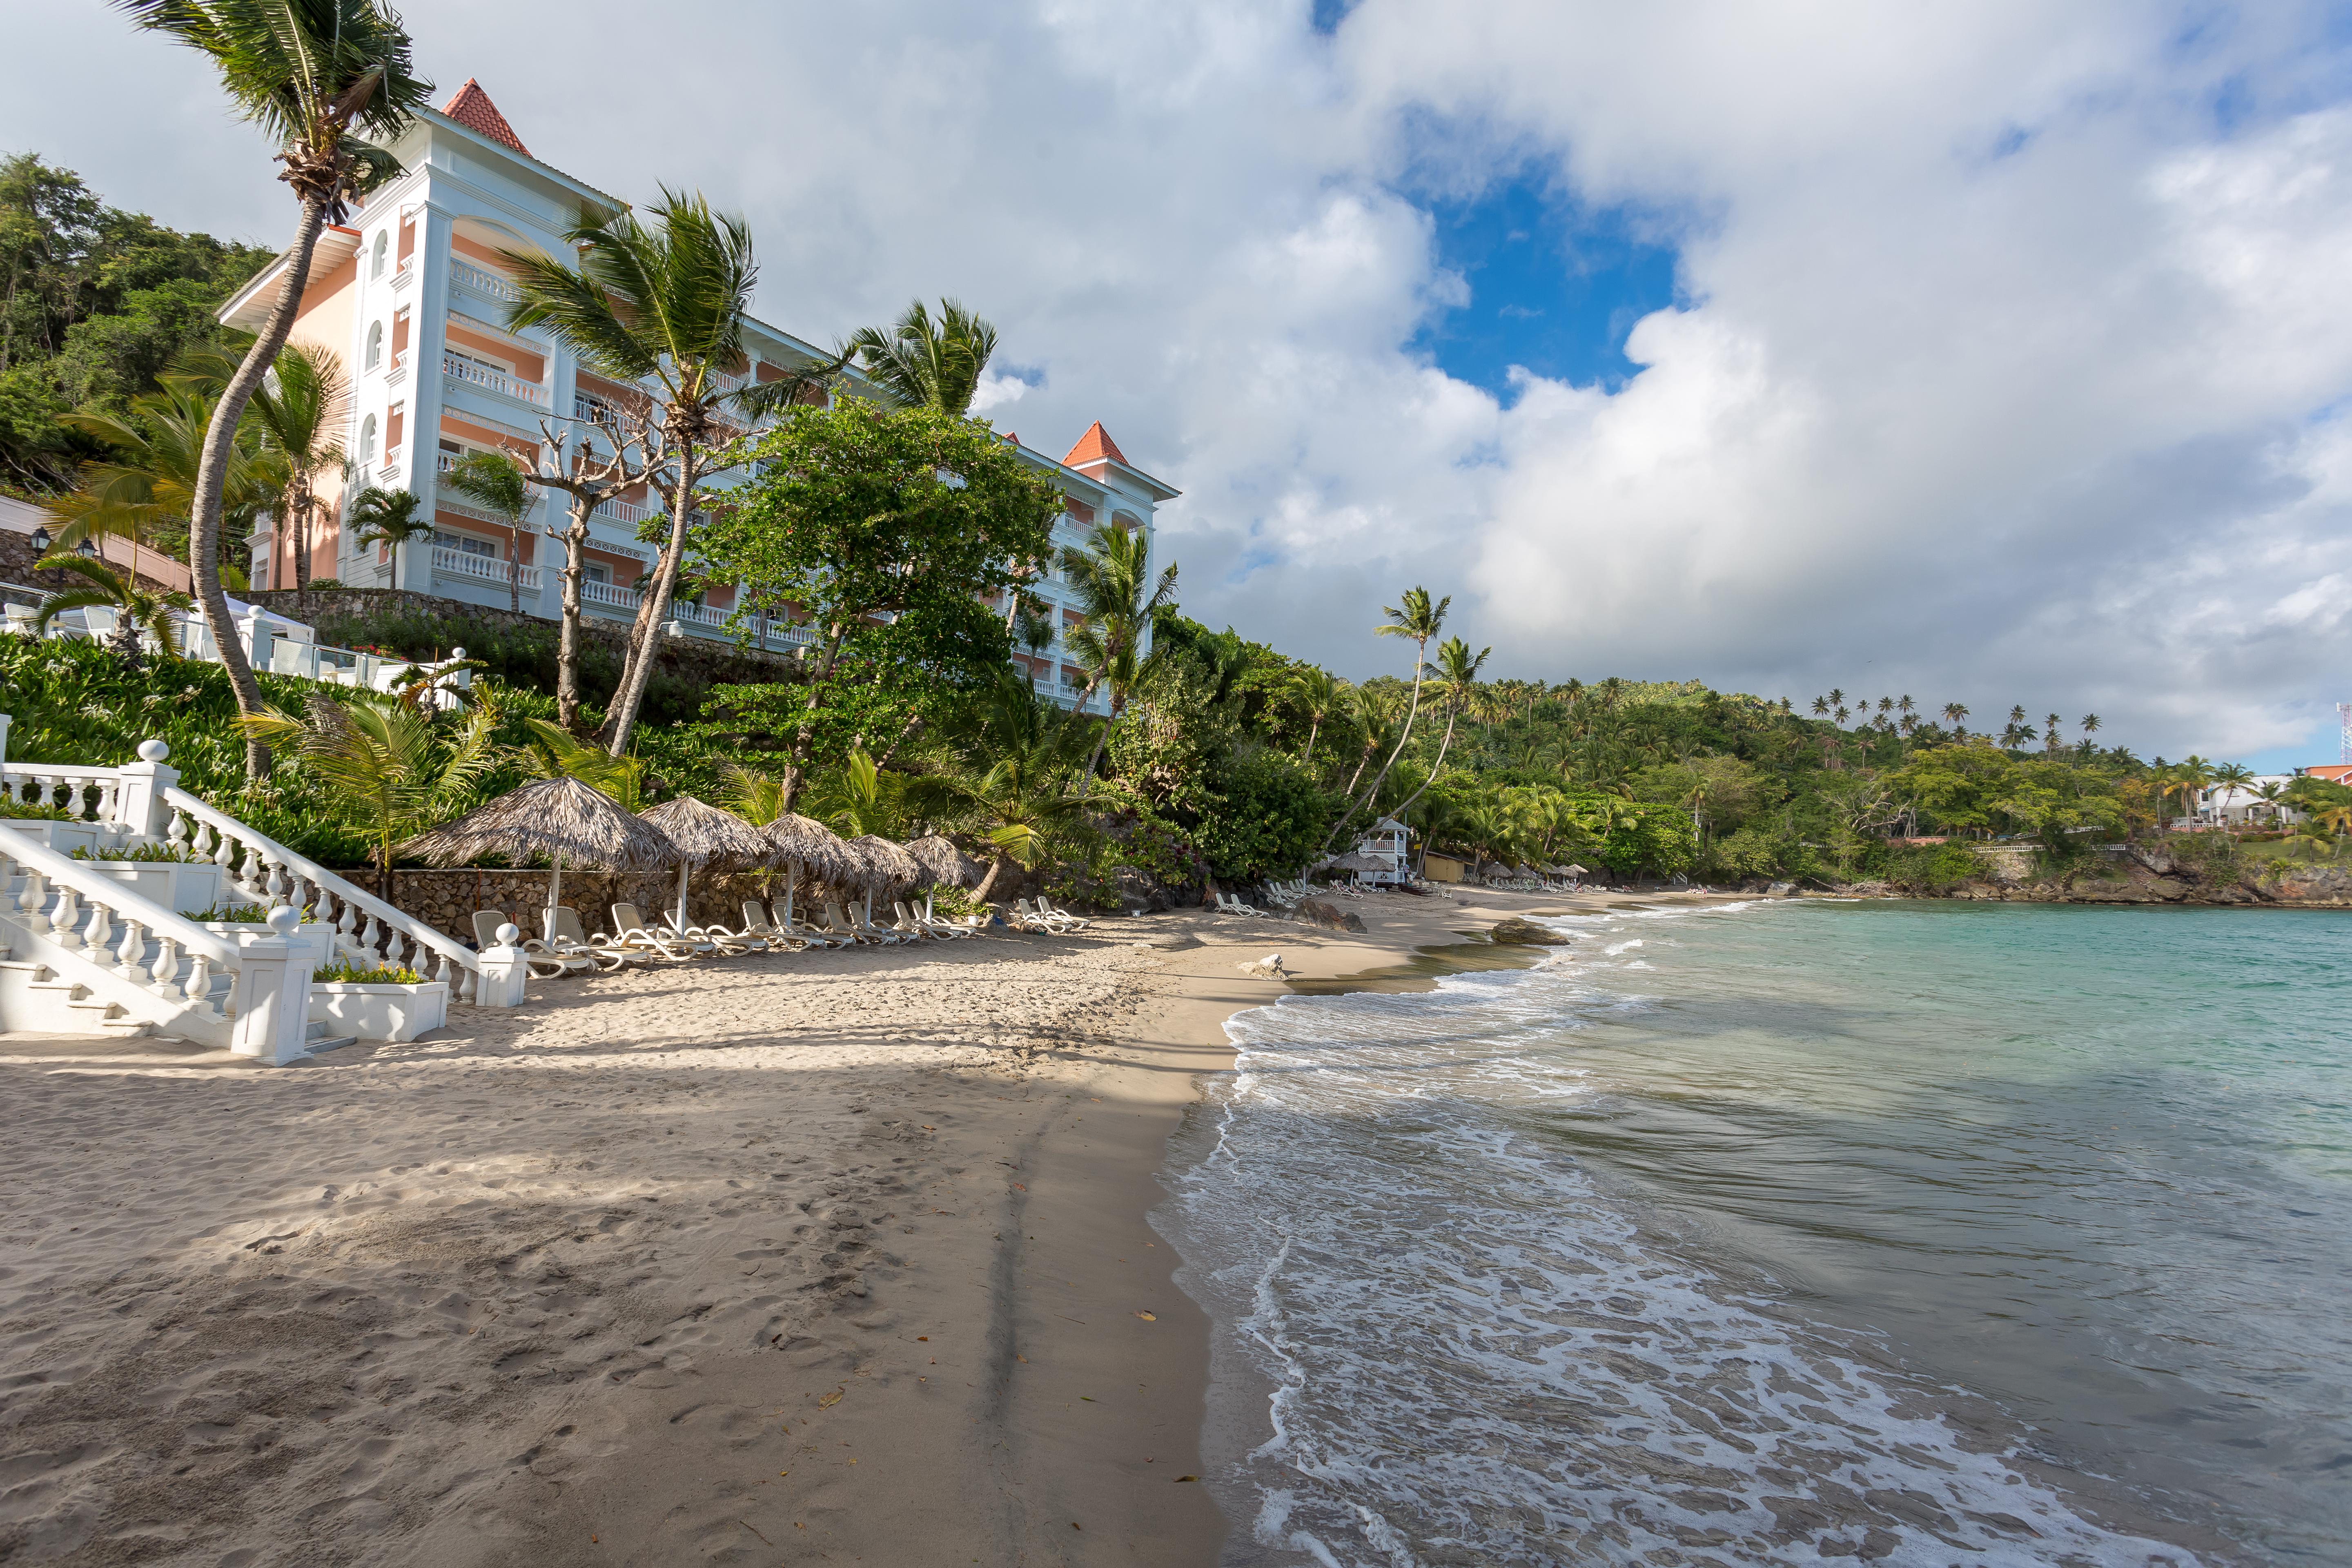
(2138, 876)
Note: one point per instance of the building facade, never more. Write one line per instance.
(411, 296)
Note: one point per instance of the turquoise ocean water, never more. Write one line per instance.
(1914, 1233)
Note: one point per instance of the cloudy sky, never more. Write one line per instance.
(1992, 352)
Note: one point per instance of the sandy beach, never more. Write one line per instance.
(829, 1257)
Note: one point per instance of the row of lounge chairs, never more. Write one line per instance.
(568, 948)
(1042, 916)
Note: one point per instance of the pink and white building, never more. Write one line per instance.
(413, 296)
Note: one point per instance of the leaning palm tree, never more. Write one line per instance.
(663, 308)
(136, 609)
(492, 481)
(389, 769)
(1457, 676)
(314, 75)
(301, 408)
(926, 362)
(1118, 597)
(1418, 618)
(380, 516)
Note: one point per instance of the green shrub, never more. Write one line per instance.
(27, 811)
(1924, 867)
(148, 854)
(343, 973)
(1265, 818)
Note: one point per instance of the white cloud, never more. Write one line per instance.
(2003, 374)
(997, 393)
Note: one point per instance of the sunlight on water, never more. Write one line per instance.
(1909, 1233)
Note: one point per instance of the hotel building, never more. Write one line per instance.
(413, 298)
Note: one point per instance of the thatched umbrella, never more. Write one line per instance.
(808, 847)
(557, 819)
(1358, 861)
(886, 865)
(710, 839)
(943, 865)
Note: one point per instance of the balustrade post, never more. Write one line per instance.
(140, 805)
(504, 970)
(273, 992)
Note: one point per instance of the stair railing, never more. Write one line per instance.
(90, 905)
(269, 873)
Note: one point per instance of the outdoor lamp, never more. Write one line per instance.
(41, 541)
(89, 549)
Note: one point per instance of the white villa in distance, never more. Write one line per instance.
(411, 298)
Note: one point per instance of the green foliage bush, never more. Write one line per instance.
(1924, 867)
(343, 973)
(1264, 817)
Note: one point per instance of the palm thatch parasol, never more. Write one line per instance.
(556, 819)
(1358, 861)
(710, 839)
(943, 865)
(808, 847)
(886, 866)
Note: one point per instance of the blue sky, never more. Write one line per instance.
(1554, 285)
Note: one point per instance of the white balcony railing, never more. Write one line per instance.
(609, 596)
(485, 569)
(626, 512)
(473, 372)
(488, 284)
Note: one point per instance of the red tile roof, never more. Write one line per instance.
(470, 107)
(1093, 448)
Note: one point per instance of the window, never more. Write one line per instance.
(383, 246)
(367, 440)
(467, 543)
(596, 573)
(374, 345)
(392, 428)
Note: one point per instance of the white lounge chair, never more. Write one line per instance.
(843, 924)
(1062, 916)
(911, 919)
(630, 931)
(733, 943)
(543, 960)
(568, 933)
(1231, 904)
(757, 924)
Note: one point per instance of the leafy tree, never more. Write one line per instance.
(887, 527)
(313, 74)
(1265, 819)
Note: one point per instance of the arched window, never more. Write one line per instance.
(367, 439)
(375, 344)
(383, 247)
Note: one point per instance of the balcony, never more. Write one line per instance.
(474, 373)
(609, 596)
(624, 512)
(478, 281)
(483, 569)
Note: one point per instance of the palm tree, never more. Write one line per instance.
(389, 773)
(554, 752)
(147, 488)
(664, 306)
(2090, 725)
(2187, 779)
(1317, 691)
(313, 74)
(862, 799)
(1418, 618)
(136, 609)
(1458, 677)
(380, 516)
(1821, 706)
(492, 481)
(924, 362)
(1953, 713)
(300, 407)
(1118, 598)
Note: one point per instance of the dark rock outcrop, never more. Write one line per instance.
(1525, 934)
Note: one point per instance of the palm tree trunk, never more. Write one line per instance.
(1313, 729)
(567, 642)
(514, 567)
(212, 475)
(1441, 745)
(1382, 777)
(301, 513)
(980, 894)
(1117, 705)
(622, 723)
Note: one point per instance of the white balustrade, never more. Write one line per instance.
(486, 569)
(612, 596)
(490, 285)
(619, 510)
(77, 783)
(269, 873)
(77, 909)
(473, 372)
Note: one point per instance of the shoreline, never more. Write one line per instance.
(843, 1254)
